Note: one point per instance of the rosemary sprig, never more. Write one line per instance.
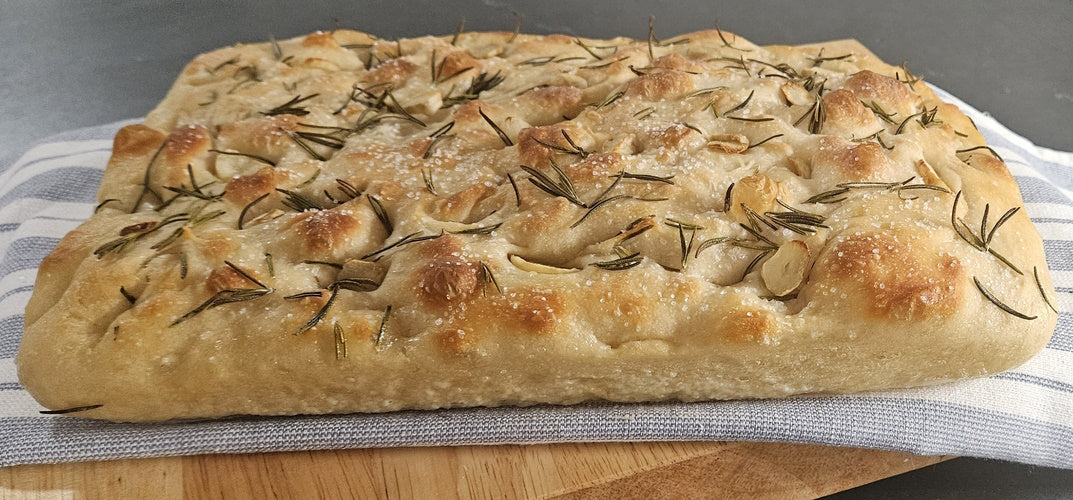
(354, 285)
(621, 263)
(103, 203)
(692, 127)
(874, 136)
(291, 107)
(820, 57)
(1042, 293)
(537, 61)
(218, 67)
(776, 136)
(753, 120)
(247, 155)
(370, 117)
(762, 242)
(70, 410)
(880, 112)
(514, 186)
(245, 209)
(405, 240)
(597, 204)
(458, 31)
(901, 127)
(333, 265)
(430, 185)
(647, 177)
(319, 315)
(131, 234)
(502, 135)
(816, 114)
(740, 105)
(517, 27)
(126, 295)
(310, 180)
(304, 295)
(194, 193)
(725, 42)
(756, 260)
(606, 64)
(610, 99)
(739, 64)
(573, 149)
(488, 278)
(590, 49)
(910, 78)
(182, 266)
(249, 71)
(245, 274)
(631, 230)
(562, 187)
(982, 242)
(644, 113)
(298, 202)
(322, 139)
(483, 82)
(994, 300)
(927, 117)
(381, 331)
(479, 230)
(381, 213)
(434, 142)
(228, 296)
(146, 189)
(348, 189)
(400, 109)
(838, 194)
(796, 220)
(687, 248)
(651, 36)
(977, 148)
(298, 140)
(755, 219)
(442, 130)
(340, 342)
(277, 52)
(357, 284)
(682, 224)
(708, 243)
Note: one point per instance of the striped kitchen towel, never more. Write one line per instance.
(1023, 415)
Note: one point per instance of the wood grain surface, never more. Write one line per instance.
(572, 470)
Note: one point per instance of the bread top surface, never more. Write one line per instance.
(343, 203)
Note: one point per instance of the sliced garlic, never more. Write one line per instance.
(729, 143)
(795, 93)
(363, 269)
(928, 175)
(534, 267)
(787, 267)
(757, 192)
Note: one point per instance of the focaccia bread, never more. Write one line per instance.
(338, 223)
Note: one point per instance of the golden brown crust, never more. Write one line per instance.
(339, 223)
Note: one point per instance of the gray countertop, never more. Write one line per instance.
(74, 64)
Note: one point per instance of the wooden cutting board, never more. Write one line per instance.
(572, 470)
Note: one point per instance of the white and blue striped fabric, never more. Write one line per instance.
(1022, 415)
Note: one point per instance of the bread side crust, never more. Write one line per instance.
(503, 303)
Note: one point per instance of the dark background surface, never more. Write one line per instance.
(74, 64)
